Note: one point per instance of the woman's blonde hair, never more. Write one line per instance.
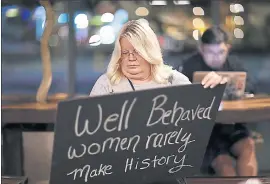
(144, 40)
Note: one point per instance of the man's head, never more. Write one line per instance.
(214, 47)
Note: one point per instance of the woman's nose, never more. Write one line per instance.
(131, 57)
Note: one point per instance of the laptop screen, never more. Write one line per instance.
(235, 86)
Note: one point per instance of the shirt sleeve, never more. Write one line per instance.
(179, 78)
(101, 87)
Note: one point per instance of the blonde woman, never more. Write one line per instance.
(137, 64)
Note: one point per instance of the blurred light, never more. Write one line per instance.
(144, 21)
(39, 13)
(229, 22)
(253, 181)
(4, 9)
(196, 34)
(53, 41)
(95, 40)
(116, 26)
(13, 12)
(43, 24)
(198, 23)
(107, 35)
(239, 8)
(198, 11)
(81, 34)
(96, 21)
(39, 16)
(232, 8)
(63, 18)
(107, 17)
(63, 31)
(121, 16)
(238, 33)
(81, 21)
(236, 8)
(174, 33)
(239, 20)
(25, 14)
(158, 2)
(142, 11)
(181, 2)
(40, 23)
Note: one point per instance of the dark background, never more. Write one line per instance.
(174, 24)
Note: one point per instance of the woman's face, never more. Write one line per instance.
(133, 66)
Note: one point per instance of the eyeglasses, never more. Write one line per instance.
(215, 54)
(126, 54)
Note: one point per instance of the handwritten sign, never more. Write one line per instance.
(136, 137)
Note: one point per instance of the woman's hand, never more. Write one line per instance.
(212, 79)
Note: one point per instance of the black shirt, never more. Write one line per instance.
(196, 63)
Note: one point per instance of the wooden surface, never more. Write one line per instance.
(246, 110)
(25, 110)
(265, 180)
(13, 180)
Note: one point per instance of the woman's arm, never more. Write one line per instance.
(179, 78)
(101, 87)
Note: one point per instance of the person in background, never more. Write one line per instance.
(230, 141)
(137, 64)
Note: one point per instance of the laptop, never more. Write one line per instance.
(236, 83)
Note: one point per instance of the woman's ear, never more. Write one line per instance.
(118, 65)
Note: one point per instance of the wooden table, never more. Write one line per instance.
(223, 180)
(18, 113)
(13, 180)
(263, 180)
(21, 114)
(247, 110)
